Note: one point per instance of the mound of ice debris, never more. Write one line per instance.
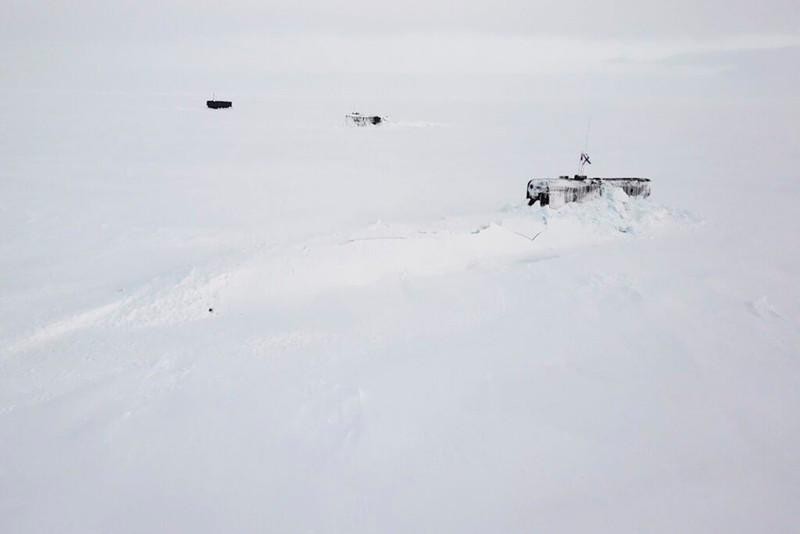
(611, 216)
(395, 251)
(386, 250)
(377, 253)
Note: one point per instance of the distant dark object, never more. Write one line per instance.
(211, 310)
(357, 119)
(219, 104)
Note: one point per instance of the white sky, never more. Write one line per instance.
(136, 20)
(100, 43)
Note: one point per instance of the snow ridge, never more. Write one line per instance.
(376, 253)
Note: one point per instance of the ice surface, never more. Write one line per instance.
(264, 321)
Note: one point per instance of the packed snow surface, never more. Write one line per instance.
(261, 320)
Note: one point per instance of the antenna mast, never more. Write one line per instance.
(584, 159)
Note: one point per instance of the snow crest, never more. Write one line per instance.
(377, 253)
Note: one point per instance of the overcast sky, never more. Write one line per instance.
(168, 19)
(51, 38)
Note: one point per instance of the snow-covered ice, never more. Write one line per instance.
(261, 320)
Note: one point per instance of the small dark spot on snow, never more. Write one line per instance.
(211, 310)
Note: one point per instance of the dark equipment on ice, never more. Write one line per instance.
(219, 104)
(580, 187)
(357, 119)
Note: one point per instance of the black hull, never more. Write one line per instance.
(558, 191)
(218, 104)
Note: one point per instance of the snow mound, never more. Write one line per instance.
(612, 216)
(374, 254)
(396, 251)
